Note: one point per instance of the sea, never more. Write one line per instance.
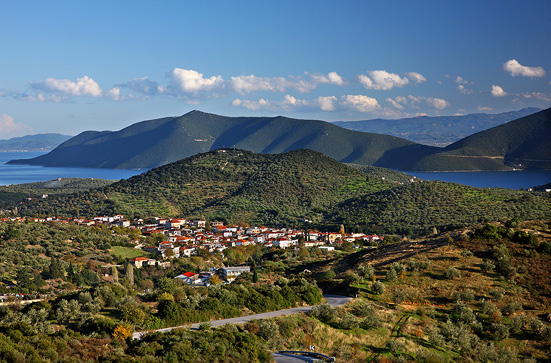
(18, 174)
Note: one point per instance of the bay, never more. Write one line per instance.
(518, 179)
(18, 174)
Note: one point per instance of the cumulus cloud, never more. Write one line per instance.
(9, 128)
(360, 103)
(484, 108)
(327, 103)
(466, 91)
(114, 94)
(416, 77)
(516, 69)
(303, 84)
(497, 91)
(187, 82)
(383, 80)
(251, 83)
(414, 101)
(59, 89)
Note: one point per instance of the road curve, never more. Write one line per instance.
(290, 358)
(333, 300)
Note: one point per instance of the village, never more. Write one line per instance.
(181, 238)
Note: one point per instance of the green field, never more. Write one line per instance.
(127, 252)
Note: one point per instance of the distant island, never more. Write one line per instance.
(518, 144)
(39, 142)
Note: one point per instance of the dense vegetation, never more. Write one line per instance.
(280, 190)
(40, 142)
(153, 143)
(480, 294)
(18, 192)
(436, 130)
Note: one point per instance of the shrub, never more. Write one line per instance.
(511, 308)
(323, 312)
(366, 272)
(349, 322)
(452, 273)
(500, 331)
(488, 266)
(378, 288)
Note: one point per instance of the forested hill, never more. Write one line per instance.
(523, 143)
(153, 143)
(39, 142)
(283, 189)
(439, 130)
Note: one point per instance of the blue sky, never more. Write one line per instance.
(70, 66)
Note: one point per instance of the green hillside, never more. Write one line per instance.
(149, 144)
(436, 131)
(283, 189)
(40, 142)
(523, 143)
(18, 192)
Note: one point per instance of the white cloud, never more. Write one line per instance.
(460, 80)
(466, 91)
(303, 84)
(247, 84)
(53, 89)
(189, 82)
(382, 80)
(538, 96)
(414, 101)
(484, 108)
(497, 91)
(114, 94)
(516, 69)
(9, 128)
(331, 78)
(395, 103)
(416, 77)
(437, 103)
(360, 103)
(327, 103)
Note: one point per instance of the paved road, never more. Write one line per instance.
(333, 300)
(291, 358)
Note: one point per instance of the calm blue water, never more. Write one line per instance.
(17, 174)
(491, 179)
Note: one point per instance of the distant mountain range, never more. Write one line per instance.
(149, 144)
(39, 142)
(284, 189)
(522, 143)
(436, 131)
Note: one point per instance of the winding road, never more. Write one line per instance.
(333, 300)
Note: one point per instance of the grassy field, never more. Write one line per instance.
(127, 252)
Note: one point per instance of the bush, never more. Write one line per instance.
(453, 273)
(349, 322)
(378, 288)
(511, 308)
(500, 331)
(323, 312)
(366, 272)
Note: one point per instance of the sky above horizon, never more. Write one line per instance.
(71, 66)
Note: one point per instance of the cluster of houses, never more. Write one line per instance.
(183, 238)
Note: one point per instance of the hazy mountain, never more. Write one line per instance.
(523, 143)
(282, 189)
(158, 142)
(436, 131)
(39, 142)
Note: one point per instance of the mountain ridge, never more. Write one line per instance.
(438, 131)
